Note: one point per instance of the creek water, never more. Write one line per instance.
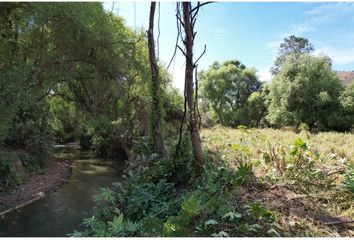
(60, 213)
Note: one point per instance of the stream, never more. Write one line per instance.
(60, 213)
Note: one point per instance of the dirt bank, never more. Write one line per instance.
(52, 178)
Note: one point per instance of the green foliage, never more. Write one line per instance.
(104, 137)
(55, 77)
(292, 45)
(305, 91)
(346, 101)
(226, 88)
(149, 199)
(100, 73)
(257, 107)
(147, 204)
(202, 216)
(303, 127)
(185, 161)
(41, 148)
(349, 179)
(106, 203)
(67, 119)
(242, 174)
(296, 165)
(258, 211)
(141, 204)
(172, 101)
(116, 227)
(85, 139)
(9, 175)
(75, 72)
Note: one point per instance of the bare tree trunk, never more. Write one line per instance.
(189, 35)
(156, 97)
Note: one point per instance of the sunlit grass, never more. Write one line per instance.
(325, 143)
(332, 153)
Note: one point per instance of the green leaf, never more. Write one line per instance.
(191, 205)
(210, 222)
(231, 216)
(117, 220)
(220, 234)
(300, 144)
(272, 230)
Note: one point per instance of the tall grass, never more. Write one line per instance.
(325, 143)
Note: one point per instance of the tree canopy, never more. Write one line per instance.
(227, 87)
(67, 69)
(306, 90)
(292, 45)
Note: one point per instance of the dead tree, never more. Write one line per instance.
(157, 137)
(188, 26)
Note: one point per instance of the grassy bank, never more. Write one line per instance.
(306, 178)
(323, 142)
(255, 182)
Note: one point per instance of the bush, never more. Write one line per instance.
(305, 90)
(85, 139)
(298, 167)
(349, 178)
(41, 148)
(9, 173)
(105, 137)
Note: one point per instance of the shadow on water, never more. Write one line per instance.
(59, 213)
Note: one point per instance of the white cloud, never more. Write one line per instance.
(338, 55)
(264, 75)
(300, 28)
(272, 48)
(340, 8)
(296, 29)
(273, 45)
(331, 11)
(318, 16)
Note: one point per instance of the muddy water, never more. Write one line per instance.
(59, 213)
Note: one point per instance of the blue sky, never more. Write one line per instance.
(251, 32)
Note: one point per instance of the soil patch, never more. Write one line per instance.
(293, 206)
(49, 181)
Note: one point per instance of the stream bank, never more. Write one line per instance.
(60, 212)
(47, 182)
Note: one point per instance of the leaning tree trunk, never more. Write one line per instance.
(156, 97)
(188, 41)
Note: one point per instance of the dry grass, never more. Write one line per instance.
(310, 212)
(325, 143)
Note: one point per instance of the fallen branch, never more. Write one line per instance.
(37, 196)
(339, 222)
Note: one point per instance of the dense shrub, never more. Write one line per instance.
(105, 138)
(153, 201)
(9, 169)
(225, 89)
(305, 90)
(85, 139)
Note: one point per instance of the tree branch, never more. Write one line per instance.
(201, 55)
(200, 5)
(182, 51)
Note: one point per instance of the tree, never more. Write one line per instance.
(76, 53)
(227, 87)
(346, 101)
(188, 26)
(257, 106)
(156, 96)
(305, 90)
(292, 45)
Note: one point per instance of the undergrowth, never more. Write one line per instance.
(165, 198)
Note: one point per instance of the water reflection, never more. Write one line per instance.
(61, 212)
